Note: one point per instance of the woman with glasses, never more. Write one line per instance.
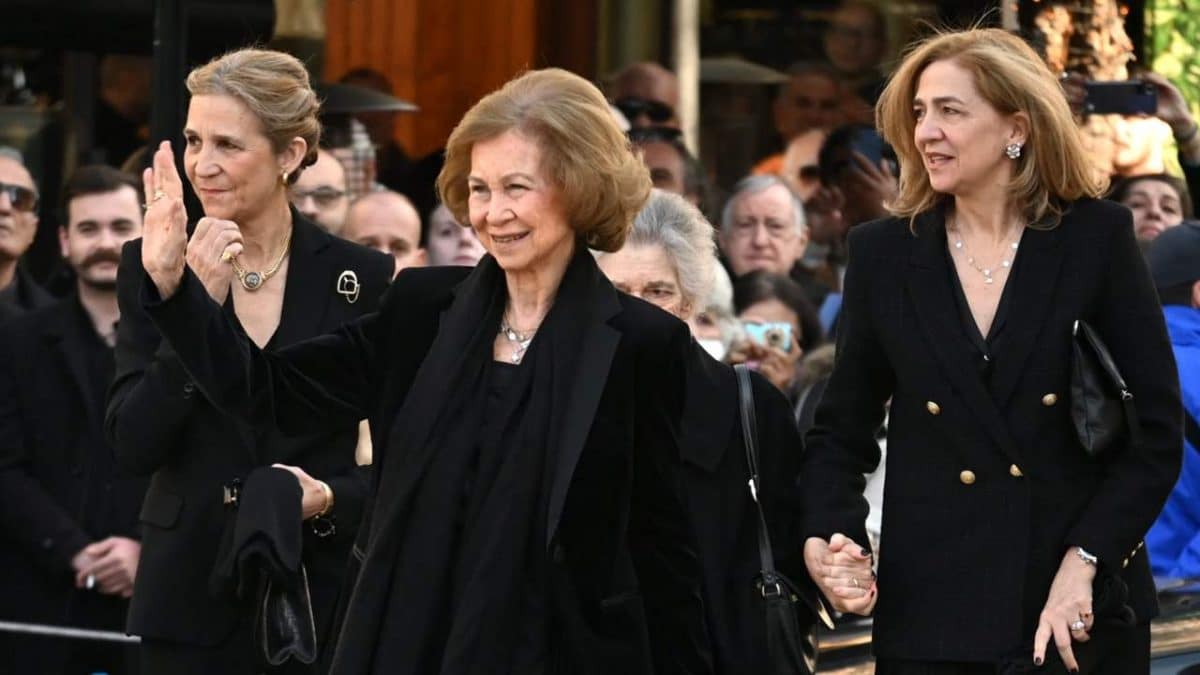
(251, 130)
(669, 260)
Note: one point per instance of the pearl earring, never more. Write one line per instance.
(1013, 150)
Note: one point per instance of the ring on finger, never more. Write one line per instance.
(1077, 625)
(227, 256)
(854, 580)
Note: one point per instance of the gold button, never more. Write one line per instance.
(967, 477)
(1015, 471)
(933, 408)
(1049, 400)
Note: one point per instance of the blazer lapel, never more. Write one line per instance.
(310, 284)
(929, 288)
(593, 358)
(1035, 275)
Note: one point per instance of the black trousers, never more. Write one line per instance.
(1111, 651)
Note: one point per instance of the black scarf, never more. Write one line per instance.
(459, 551)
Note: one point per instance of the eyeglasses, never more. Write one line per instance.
(639, 135)
(324, 196)
(633, 107)
(21, 197)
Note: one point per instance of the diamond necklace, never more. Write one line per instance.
(987, 272)
(252, 281)
(519, 341)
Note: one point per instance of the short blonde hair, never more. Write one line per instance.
(275, 87)
(1053, 169)
(602, 182)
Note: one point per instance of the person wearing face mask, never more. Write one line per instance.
(1158, 201)
(449, 243)
(669, 260)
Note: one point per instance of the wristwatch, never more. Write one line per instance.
(1086, 557)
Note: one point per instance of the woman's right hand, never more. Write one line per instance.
(843, 572)
(164, 232)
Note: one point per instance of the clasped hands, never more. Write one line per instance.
(110, 565)
(843, 572)
(166, 248)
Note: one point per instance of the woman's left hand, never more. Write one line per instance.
(312, 500)
(1067, 615)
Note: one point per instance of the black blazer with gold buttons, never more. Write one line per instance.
(987, 486)
(160, 425)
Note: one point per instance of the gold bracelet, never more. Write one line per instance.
(328, 499)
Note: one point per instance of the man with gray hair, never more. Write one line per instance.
(763, 227)
(18, 224)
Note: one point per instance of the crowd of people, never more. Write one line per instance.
(331, 423)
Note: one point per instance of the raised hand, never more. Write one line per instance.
(210, 254)
(164, 233)
(843, 572)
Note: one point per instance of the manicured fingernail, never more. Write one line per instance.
(1037, 660)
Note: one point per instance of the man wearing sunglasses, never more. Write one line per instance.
(647, 94)
(18, 224)
(320, 193)
(672, 167)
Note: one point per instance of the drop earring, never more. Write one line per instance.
(1013, 150)
(283, 179)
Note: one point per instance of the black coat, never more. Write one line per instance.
(623, 580)
(161, 425)
(30, 296)
(987, 486)
(722, 511)
(60, 487)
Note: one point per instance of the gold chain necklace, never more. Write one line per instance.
(252, 281)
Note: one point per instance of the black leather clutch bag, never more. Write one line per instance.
(1102, 407)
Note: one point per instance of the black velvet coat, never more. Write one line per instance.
(161, 426)
(987, 486)
(623, 579)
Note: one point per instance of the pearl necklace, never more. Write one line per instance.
(519, 341)
(987, 272)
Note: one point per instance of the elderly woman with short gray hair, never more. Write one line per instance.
(669, 260)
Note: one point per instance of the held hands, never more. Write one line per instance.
(1068, 612)
(842, 570)
(111, 564)
(313, 499)
(164, 233)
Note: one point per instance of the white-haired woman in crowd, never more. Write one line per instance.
(669, 260)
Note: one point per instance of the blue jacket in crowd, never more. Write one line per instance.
(1174, 540)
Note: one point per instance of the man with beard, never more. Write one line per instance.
(18, 224)
(68, 515)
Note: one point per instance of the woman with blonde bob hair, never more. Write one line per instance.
(528, 515)
(1008, 545)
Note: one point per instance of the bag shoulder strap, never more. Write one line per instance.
(750, 441)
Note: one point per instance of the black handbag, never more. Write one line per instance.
(791, 612)
(1102, 407)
